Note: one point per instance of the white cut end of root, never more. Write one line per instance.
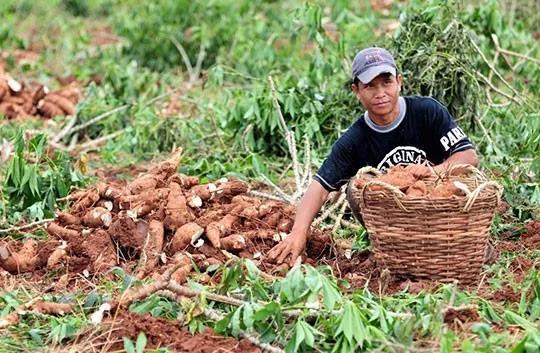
(196, 236)
(195, 202)
(132, 214)
(46, 89)
(14, 85)
(211, 187)
(108, 205)
(241, 239)
(4, 253)
(86, 232)
(257, 255)
(223, 180)
(348, 254)
(199, 243)
(86, 273)
(97, 316)
(163, 258)
(106, 218)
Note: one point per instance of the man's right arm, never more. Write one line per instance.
(295, 243)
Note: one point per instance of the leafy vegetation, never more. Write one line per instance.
(195, 75)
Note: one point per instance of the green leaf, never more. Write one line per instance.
(141, 342)
(266, 311)
(331, 294)
(352, 325)
(514, 318)
(248, 315)
(128, 345)
(235, 322)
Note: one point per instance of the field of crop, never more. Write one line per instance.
(153, 152)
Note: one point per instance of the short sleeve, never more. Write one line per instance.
(341, 164)
(449, 137)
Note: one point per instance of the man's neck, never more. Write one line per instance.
(383, 120)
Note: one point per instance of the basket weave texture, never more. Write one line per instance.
(441, 239)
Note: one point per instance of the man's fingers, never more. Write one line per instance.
(284, 253)
(276, 250)
(295, 256)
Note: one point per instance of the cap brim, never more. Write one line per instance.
(372, 72)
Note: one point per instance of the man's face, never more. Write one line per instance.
(380, 96)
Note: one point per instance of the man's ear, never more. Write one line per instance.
(354, 88)
(398, 79)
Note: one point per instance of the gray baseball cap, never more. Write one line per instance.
(371, 62)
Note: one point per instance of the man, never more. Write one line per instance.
(393, 130)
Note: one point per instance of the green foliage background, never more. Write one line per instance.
(227, 125)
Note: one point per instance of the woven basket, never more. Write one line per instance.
(441, 239)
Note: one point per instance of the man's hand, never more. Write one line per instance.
(292, 246)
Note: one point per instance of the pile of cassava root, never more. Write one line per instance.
(21, 100)
(156, 221)
(418, 181)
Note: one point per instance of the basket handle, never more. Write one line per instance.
(397, 194)
(475, 171)
(473, 196)
(394, 191)
(368, 169)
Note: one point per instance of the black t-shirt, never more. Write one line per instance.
(424, 130)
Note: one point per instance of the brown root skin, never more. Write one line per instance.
(66, 106)
(185, 181)
(446, 189)
(12, 111)
(48, 109)
(89, 200)
(234, 242)
(185, 235)
(60, 232)
(401, 180)
(52, 308)
(150, 198)
(67, 218)
(127, 232)
(108, 192)
(101, 251)
(73, 94)
(272, 219)
(23, 260)
(56, 257)
(251, 212)
(143, 183)
(4, 89)
(213, 233)
(77, 195)
(285, 225)
(181, 274)
(39, 93)
(167, 168)
(177, 211)
(202, 191)
(418, 189)
(232, 188)
(97, 217)
(155, 244)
